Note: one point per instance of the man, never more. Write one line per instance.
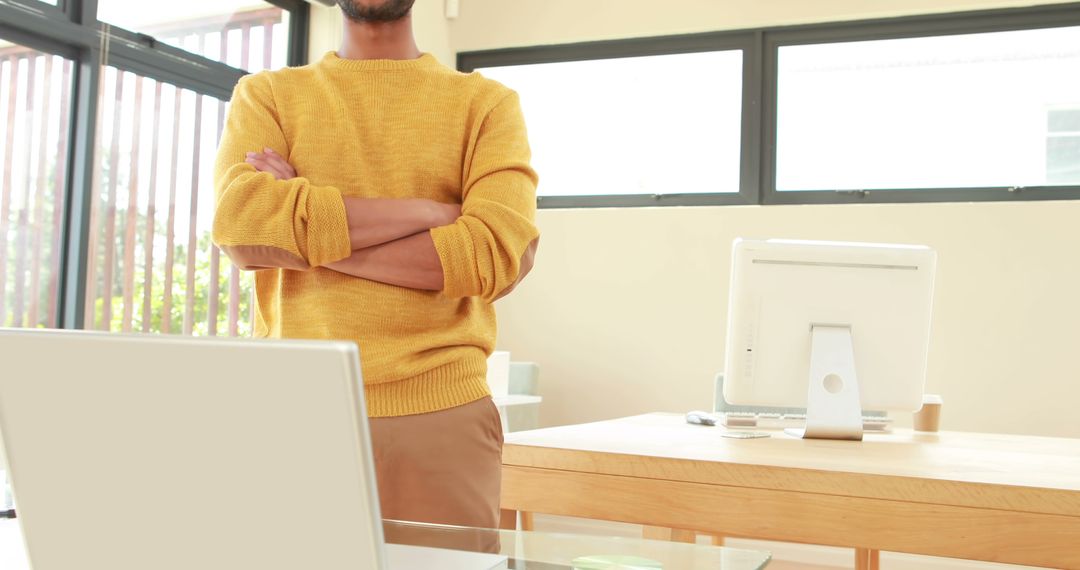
(387, 199)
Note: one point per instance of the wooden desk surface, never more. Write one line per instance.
(1014, 473)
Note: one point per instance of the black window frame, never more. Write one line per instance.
(760, 94)
(71, 30)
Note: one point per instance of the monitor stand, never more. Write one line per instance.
(833, 408)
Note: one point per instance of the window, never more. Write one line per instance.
(35, 105)
(666, 124)
(106, 200)
(246, 34)
(152, 266)
(967, 106)
(959, 111)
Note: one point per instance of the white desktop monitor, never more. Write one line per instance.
(834, 327)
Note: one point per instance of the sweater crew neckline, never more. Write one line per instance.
(333, 61)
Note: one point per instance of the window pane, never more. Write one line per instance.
(1063, 160)
(667, 124)
(940, 112)
(1064, 121)
(246, 34)
(1063, 147)
(35, 110)
(152, 265)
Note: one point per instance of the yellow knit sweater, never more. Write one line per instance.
(381, 129)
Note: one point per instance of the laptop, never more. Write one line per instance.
(132, 452)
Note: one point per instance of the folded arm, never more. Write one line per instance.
(372, 221)
(484, 248)
(491, 247)
(268, 217)
(408, 262)
(413, 262)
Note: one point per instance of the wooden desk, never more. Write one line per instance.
(999, 498)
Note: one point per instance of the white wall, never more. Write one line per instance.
(626, 308)
(432, 33)
(491, 24)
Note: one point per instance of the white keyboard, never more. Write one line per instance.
(782, 421)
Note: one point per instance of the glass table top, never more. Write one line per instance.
(525, 550)
(532, 550)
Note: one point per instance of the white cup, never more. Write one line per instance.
(498, 373)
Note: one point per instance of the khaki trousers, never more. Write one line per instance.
(443, 467)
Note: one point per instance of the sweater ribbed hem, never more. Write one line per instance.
(449, 386)
(333, 61)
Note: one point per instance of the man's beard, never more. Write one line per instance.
(388, 11)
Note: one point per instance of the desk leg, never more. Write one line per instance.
(508, 519)
(717, 540)
(866, 559)
(669, 534)
(678, 535)
(527, 522)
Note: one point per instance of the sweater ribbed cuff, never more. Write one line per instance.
(328, 226)
(449, 386)
(458, 259)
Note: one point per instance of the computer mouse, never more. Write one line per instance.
(701, 418)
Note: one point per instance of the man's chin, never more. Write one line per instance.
(371, 12)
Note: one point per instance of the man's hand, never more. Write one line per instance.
(272, 162)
